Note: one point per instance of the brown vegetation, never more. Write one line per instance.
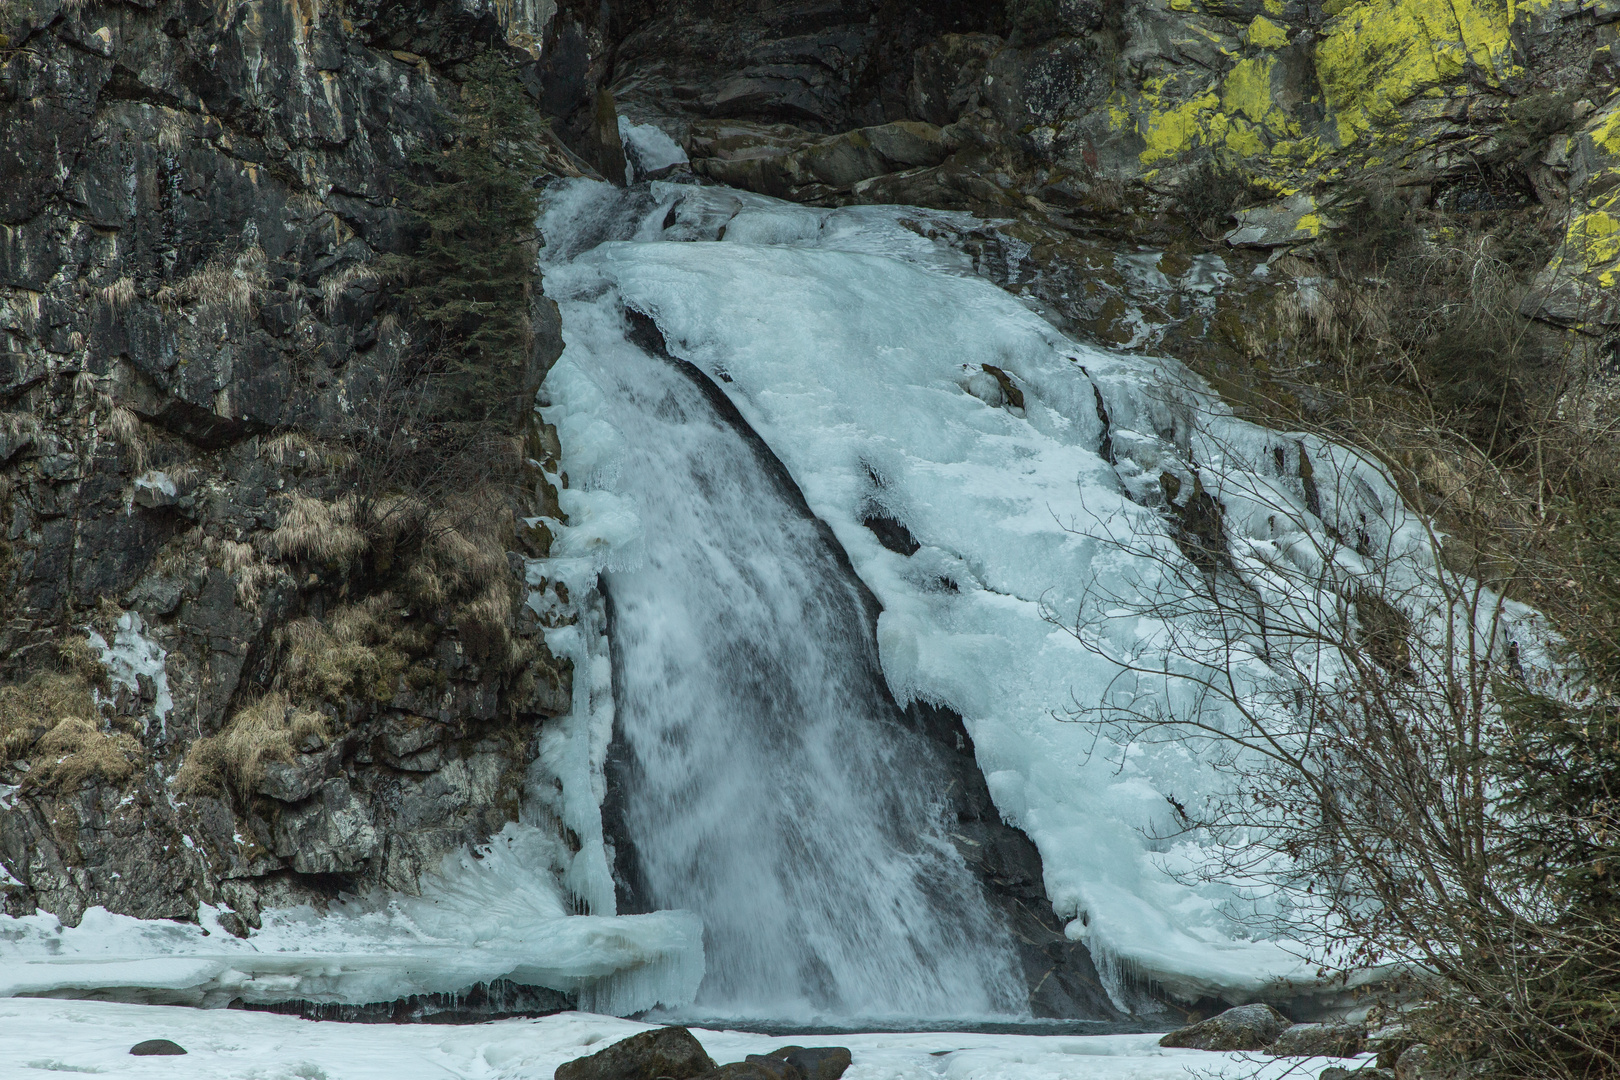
(269, 729)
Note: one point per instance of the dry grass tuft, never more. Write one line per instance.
(300, 451)
(361, 649)
(270, 729)
(30, 709)
(243, 562)
(119, 294)
(76, 751)
(332, 285)
(235, 286)
(321, 532)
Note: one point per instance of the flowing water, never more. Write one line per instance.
(774, 789)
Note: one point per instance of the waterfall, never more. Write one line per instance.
(771, 786)
(978, 469)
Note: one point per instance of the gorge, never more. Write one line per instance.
(743, 651)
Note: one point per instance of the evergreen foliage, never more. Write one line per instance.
(467, 283)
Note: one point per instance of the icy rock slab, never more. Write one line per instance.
(487, 917)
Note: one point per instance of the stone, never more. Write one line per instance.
(1320, 1040)
(157, 1048)
(755, 1068)
(1247, 1027)
(331, 833)
(815, 1062)
(670, 1053)
(1294, 220)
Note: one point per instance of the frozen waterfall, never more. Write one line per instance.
(878, 369)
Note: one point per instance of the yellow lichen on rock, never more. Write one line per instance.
(1265, 34)
(1377, 55)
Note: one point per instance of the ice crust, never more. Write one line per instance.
(859, 350)
(53, 1038)
(489, 916)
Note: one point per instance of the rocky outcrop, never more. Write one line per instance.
(1247, 1027)
(228, 682)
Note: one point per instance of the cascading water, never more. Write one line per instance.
(773, 789)
(1016, 476)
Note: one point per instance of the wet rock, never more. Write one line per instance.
(670, 1053)
(1320, 1040)
(1247, 1027)
(157, 1048)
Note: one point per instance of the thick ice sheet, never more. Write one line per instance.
(500, 916)
(858, 348)
(44, 1038)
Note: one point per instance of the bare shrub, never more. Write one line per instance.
(1378, 715)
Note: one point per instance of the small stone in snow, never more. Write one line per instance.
(156, 1048)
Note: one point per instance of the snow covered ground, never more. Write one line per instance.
(44, 1037)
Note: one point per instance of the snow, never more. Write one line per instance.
(858, 349)
(131, 655)
(42, 1037)
(493, 916)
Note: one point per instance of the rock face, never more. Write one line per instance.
(1247, 1027)
(194, 337)
(670, 1052)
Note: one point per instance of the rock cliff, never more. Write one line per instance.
(247, 660)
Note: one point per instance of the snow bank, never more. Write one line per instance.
(487, 916)
(39, 1038)
(882, 373)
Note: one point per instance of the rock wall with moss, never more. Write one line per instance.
(245, 658)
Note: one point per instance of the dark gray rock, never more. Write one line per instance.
(1320, 1040)
(815, 1062)
(1247, 1027)
(157, 1048)
(1366, 1072)
(670, 1053)
(755, 1068)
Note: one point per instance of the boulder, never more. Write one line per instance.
(670, 1053)
(816, 1062)
(1247, 1027)
(1320, 1040)
(157, 1048)
(1366, 1072)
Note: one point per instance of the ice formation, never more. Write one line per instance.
(487, 917)
(132, 655)
(890, 381)
(55, 1038)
